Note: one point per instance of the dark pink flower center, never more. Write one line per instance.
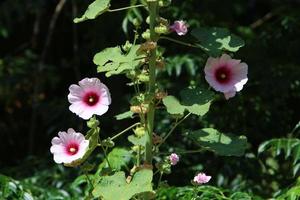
(91, 98)
(223, 74)
(72, 148)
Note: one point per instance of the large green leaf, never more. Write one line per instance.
(115, 187)
(95, 9)
(117, 158)
(114, 61)
(194, 100)
(220, 143)
(215, 40)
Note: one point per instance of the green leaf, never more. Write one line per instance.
(194, 100)
(215, 40)
(95, 9)
(220, 143)
(115, 187)
(124, 115)
(137, 140)
(114, 61)
(118, 158)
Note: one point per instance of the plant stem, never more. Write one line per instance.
(173, 128)
(125, 8)
(153, 11)
(125, 130)
(105, 154)
(180, 42)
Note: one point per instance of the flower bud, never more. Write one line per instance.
(93, 123)
(140, 131)
(143, 77)
(161, 29)
(160, 64)
(146, 34)
(127, 46)
(180, 27)
(143, 108)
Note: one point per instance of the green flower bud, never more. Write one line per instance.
(143, 77)
(127, 46)
(93, 123)
(146, 34)
(140, 131)
(162, 29)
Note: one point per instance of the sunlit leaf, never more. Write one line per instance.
(215, 40)
(220, 143)
(116, 187)
(95, 9)
(118, 158)
(114, 61)
(194, 100)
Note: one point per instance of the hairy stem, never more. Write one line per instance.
(125, 130)
(153, 8)
(126, 8)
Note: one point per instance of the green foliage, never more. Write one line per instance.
(222, 144)
(95, 9)
(292, 193)
(200, 193)
(179, 63)
(215, 40)
(193, 100)
(117, 187)
(114, 61)
(117, 158)
(288, 146)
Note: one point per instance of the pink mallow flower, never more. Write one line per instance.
(180, 27)
(89, 97)
(69, 146)
(174, 159)
(201, 178)
(226, 75)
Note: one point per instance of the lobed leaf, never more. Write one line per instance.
(222, 144)
(215, 40)
(95, 9)
(194, 100)
(118, 158)
(116, 187)
(114, 61)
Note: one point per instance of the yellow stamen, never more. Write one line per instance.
(91, 99)
(223, 76)
(72, 150)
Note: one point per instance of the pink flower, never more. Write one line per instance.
(174, 158)
(69, 146)
(180, 27)
(226, 75)
(201, 178)
(89, 97)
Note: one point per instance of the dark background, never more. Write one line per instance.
(35, 76)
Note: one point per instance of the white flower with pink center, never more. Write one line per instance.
(174, 159)
(89, 97)
(180, 27)
(68, 146)
(201, 178)
(226, 75)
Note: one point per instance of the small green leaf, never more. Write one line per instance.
(220, 143)
(173, 105)
(115, 187)
(137, 140)
(114, 61)
(194, 100)
(124, 115)
(95, 9)
(117, 158)
(215, 40)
